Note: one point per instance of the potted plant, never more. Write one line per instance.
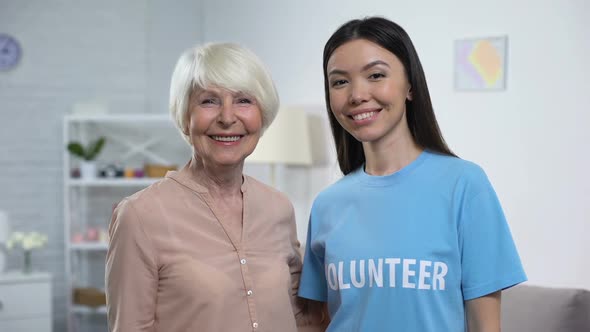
(87, 154)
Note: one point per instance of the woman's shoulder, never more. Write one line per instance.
(452, 165)
(264, 192)
(345, 187)
(457, 173)
(145, 210)
(153, 195)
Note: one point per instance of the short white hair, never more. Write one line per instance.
(224, 65)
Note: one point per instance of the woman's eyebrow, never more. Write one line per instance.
(365, 67)
(206, 93)
(374, 63)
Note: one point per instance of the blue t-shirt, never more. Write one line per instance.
(403, 252)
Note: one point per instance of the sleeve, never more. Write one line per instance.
(313, 281)
(308, 319)
(307, 316)
(131, 276)
(294, 261)
(489, 259)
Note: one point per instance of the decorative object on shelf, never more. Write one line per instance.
(87, 155)
(103, 236)
(77, 238)
(75, 173)
(278, 145)
(129, 173)
(28, 241)
(10, 52)
(139, 173)
(4, 231)
(158, 171)
(90, 235)
(91, 297)
(111, 171)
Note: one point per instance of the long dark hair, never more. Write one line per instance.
(419, 112)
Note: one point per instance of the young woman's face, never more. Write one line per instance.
(224, 126)
(368, 89)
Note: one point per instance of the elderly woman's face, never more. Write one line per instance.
(224, 126)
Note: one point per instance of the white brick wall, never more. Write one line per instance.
(118, 52)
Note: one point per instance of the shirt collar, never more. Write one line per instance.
(185, 177)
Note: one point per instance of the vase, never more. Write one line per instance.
(27, 266)
(88, 170)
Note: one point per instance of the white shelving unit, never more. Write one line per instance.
(131, 140)
(84, 310)
(89, 246)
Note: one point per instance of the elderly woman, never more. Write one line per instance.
(208, 248)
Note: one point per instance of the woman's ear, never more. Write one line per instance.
(186, 123)
(186, 132)
(409, 95)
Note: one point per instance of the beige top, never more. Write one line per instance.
(173, 264)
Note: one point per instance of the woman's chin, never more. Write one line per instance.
(229, 162)
(366, 136)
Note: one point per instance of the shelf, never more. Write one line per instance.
(89, 246)
(17, 276)
(86, 310)
(119, 118)
(117, 182)
(133, 139)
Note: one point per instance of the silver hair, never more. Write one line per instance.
(224, 65)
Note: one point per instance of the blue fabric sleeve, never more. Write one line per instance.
(489, 259)
(313, 281)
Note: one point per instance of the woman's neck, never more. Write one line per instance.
(389, 156)
(222, 181)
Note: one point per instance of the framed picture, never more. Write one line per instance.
(480, 63)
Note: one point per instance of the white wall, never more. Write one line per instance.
(530, 138)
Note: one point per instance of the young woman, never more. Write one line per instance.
(412, 238)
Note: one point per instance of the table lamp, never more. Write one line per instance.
(285, 142)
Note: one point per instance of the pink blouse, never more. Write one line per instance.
(174, 264)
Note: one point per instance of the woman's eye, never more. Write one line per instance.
(337, 83)
(244, 101)
(208, 101)
(376, 76)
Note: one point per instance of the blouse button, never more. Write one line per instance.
(255, 325)
(242, 261)
(249, 292)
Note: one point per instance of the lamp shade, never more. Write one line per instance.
(286, 141)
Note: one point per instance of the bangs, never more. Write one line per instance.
(230, 71)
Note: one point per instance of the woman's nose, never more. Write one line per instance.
(227, 116)
(358, 94)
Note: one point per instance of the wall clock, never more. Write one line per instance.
(10, 52)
